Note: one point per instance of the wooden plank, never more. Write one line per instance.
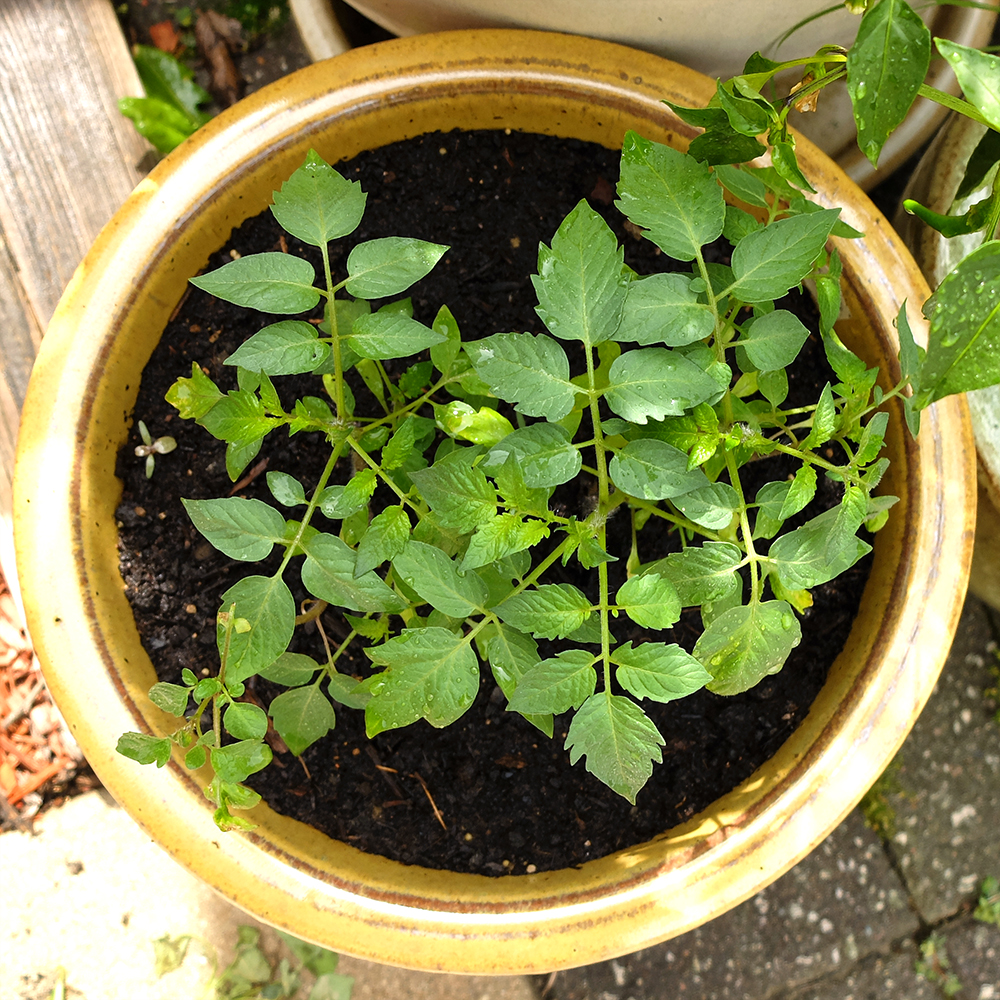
(67, 158)
(67, 161)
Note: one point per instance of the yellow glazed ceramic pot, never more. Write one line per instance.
(79, 408)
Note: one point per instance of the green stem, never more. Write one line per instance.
(953, 103)
(310, 508)
(338, 365)
(734, 480)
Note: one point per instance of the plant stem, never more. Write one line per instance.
(331, 307)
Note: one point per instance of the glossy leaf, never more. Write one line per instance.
(290, 347)
(658, 671)
(317, 204)
(268, 606)
(271, 282)
(773, 341)
(702, 572)
(656, 382)
(384, 335)
(241, 528)
(385, 538)
(671, 195)
(654, 470)
(544, 453)
(885, 67)
(302, 716)
(745, 644)
(429, 572)
(664, 309)
(388, 266)
(328, 573)
(550, 611)
(649, 600)
(581, 282)
(620, 742)
(769, 262)
(528, 370)
(556, 685)
(431, 673)
(460, 495)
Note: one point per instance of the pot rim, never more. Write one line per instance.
(317, 888)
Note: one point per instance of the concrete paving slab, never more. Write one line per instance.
(973, 949)
(90, 891)
(841, 903)
(949, 773)
(878, 977)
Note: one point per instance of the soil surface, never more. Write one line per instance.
(507, 799)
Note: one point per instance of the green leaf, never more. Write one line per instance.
(144, 749)
(654, 470)
(271, 282)
(769, 262)
(429, 572)
(343, 501)
(658, 671)
(581, 281)
(291, 669)
(385, 538)
(824, 547)
(241, 528)
(885, 67)
(445, 354)
(384, 335)
(671, 195)
(543, 451)
(825, 420)
(504, 535)
(743, 184)
(773, 341)
(237, 761)
(745, 644)
(195, 396)
(245, 722)
(550, 611)
(656, 382)
(483, 426)
(389, 266)
(460, 495)
(344, 690)
(527, 369)
(649, 600)
(431, 673)
(395, 453)
(556, 685)
(620, 742)
(302, 716)
(664, 309)
(332, 986)
(290, 347)
(166, 79)
(701, 573)
(286, 489)
(328, 573)
(316, 204)
(511, 655)
(157, 121)
(723, 146)
(267, 604)
(239, 419)
(963, 352)
(516, 494)
(711, 506)
(172, 698)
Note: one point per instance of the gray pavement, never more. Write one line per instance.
(88, 893)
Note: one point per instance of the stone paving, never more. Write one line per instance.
(847, 922)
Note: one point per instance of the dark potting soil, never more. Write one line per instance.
(507, 799)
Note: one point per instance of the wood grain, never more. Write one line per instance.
(67, 161)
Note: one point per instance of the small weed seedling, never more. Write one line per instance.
(683, 384)
(252, 975)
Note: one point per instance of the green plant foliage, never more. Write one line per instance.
(253, 974)
(683, 387)
(169, 112)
